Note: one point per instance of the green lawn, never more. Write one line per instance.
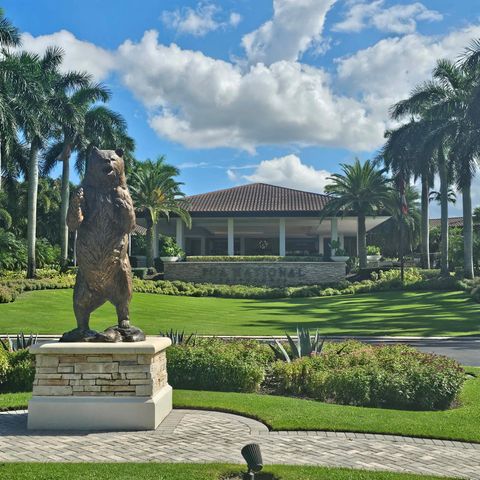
(386, 313)
(286, 413)
(179, 471)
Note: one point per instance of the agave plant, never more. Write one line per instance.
(179, 338)
(20, 343)
(305, 346)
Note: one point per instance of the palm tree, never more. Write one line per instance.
(436, 132)
(361, 190)
(407, 224)
(156, 193)
(403, 153)
(435, 196)
(104, 128)
(70, 117)
(36, 119)
(9, 77)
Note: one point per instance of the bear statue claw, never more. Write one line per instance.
(110, 335)
(79, 335)
(120, 334)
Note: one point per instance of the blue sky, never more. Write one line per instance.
(230, 91)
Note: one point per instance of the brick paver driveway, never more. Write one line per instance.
(198, 436)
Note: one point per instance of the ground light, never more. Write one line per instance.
(253, 456)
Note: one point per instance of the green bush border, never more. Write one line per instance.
(415, 279)
(254, 258)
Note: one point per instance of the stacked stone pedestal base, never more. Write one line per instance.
(94, 386)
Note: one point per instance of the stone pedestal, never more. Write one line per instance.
(100, 386)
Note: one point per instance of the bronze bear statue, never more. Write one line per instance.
(102, 213)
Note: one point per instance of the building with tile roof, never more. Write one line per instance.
(261, 219)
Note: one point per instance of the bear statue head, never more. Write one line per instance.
(106, 169)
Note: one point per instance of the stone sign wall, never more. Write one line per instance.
(272, 274)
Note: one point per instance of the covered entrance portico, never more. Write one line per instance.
(241, 235)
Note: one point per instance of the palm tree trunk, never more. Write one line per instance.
(32, 207)
(442, 167)
(149, 246)
(0, 164)
(425, 223)
(362, 240)
(467, 231)
(65, 195)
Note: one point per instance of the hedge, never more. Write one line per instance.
(254, 258)
(396, 376)
(350, 373)
(11, 286)
(213, 364)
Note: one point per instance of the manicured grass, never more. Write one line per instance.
(179, 471)
(285, 413)
(14, 401)
(386, 313)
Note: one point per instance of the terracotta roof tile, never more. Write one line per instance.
(256, 198)
(452, 222)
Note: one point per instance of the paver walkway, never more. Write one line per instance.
(199, 436)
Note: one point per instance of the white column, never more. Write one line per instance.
(129, 244)
(281, 237)
(320, 245)
(341, 239)
(179, 233)
(333, 231)
(202, 245)
(231, 238)
(155, 240)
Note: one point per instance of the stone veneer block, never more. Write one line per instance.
(100, 386)
(271, 274)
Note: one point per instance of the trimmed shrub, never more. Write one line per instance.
(14, 283)
(4, 366)
(21, 372)
(139, 272)
(216, 365)
(373, 376)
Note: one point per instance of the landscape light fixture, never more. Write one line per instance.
(253, 456)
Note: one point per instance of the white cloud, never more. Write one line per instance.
(79, 55)
(287, 171)
(193, 165)
(198, 21)
(199, 101)
(296, 25)
(387, 71)
(398, 19)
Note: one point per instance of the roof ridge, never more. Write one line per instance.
(249, 185)
(290, 188)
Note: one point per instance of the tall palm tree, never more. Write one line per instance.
(156, 193)
(408, 223)
(9, 77)
(70, 117)
(361, 190)
(403, 154)
(426, 104)
(36, 119)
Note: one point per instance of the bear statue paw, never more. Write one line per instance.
(79, 335)
(120, 334)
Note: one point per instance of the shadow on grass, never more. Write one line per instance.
(387, 313)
